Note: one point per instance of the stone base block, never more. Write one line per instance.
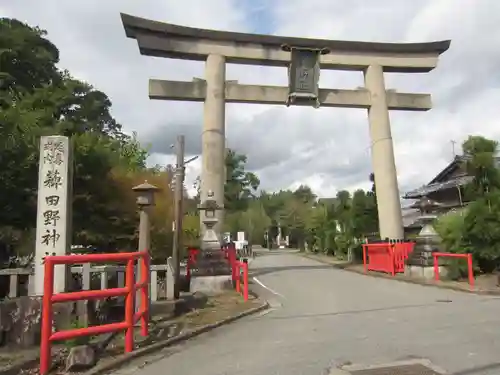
(211, 285)
(210, 263)
(424, 272)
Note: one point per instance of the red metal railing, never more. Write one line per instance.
(378, 257)
(236, 270)
(399, 257)
(49, 298)
(451, 255)
(405, 247)
(386, 257)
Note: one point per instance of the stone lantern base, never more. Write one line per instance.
(420, 263)
(211, 272)
(211, 285)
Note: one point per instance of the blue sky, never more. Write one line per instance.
(259, 16)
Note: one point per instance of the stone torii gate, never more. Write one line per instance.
(304, 58)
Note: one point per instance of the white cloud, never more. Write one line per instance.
(326, 148)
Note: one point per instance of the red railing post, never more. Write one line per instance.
(436, 267)
(364, 258)
(144, 264)
(238, 276)
(232, 263)
(392, 260)
(48, 290)
(471, 270)
(245, 281)
(129, 306)
(468, 257)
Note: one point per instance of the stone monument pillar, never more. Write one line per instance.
(53, 224)
(382, 149)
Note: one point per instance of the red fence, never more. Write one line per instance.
(451, 255)
(391, 257)
(386, 257)
(238, 269)
(49, 298)
(378, 257)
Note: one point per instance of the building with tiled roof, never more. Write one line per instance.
(446, 188)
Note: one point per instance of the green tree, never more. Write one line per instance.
(305, 194)
(294, 217)
(481, 234)
(482, 165)
(450, 228)
(372, 180)
(37, 99)
(358, 213)
(477, 231)
(241, 185)
(322, 229)
(363, 214)
(27, 60)
(255, 222)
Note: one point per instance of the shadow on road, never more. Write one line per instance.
(268, 270)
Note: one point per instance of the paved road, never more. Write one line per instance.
(323, 317)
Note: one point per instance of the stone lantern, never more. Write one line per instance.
(145, 194)
(145, 199)
(210, 239)
(211, 272)
(420, 261)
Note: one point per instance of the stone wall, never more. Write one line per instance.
(20, 320)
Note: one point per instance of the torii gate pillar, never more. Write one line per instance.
(213, 140)
(382, 151)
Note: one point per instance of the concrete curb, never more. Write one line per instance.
(344, 267)
(124, 358)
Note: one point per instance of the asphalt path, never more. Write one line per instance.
(321, 317)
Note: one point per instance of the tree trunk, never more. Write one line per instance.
(350, 254)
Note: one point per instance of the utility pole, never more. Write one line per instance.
(453, 148)
(178, 211)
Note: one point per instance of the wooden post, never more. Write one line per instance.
(178, 213)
